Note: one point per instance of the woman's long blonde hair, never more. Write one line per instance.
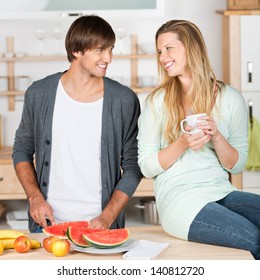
(202, 94)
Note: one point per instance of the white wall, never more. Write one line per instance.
(201, 12)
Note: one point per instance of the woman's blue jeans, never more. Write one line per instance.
(233, 221)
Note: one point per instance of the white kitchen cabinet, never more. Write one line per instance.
(250, 53)
(241, 69)
(250, 81)
(66, 8)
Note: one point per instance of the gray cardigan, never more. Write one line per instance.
(121, 109)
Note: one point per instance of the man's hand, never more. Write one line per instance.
(41, 210)
(116, 204)
(99, 223)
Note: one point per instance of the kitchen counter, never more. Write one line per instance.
(177, 250)
(144, 189)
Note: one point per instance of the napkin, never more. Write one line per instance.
(145, 250)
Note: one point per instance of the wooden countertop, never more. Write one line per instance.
(5, 155)
(178, 249)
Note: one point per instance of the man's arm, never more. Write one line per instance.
(116, 204)
(39, 208)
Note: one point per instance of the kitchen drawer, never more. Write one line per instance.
(10, 187)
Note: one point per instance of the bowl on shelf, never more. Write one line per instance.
(147, 48)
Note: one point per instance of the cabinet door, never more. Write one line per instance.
(10, 186)
(251, 179)
(250, 53)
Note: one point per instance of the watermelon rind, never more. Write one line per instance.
(60, 230)
(75, 235)
(107, 239)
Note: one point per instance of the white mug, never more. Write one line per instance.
(192, 120)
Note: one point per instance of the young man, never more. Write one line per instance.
(80, 127)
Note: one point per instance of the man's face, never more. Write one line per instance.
(95, 61)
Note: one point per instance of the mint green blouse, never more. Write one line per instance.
(196, 178)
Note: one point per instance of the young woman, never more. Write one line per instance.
(194, 196)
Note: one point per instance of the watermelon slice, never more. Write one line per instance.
(107, 239)
(75, 235)
(60, 230)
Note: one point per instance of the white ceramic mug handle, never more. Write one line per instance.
(182, 127)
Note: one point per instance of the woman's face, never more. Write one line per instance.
(172, 54)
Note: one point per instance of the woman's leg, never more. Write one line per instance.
(244, 203)
(217, 225)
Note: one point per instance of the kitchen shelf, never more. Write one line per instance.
(134, 56)
(63, 57)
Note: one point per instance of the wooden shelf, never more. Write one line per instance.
(134, 56)
(27, 58)
(239, 12)
(12, 93)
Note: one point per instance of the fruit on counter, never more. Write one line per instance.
(60, 230)
(75, 235)
(48, 242)
(107, 238)
(22, 244)
(1, 247)
(9, 243)
(10, 233)
(61, 247)
(35, 244)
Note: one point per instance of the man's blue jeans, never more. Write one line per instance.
(233, 221)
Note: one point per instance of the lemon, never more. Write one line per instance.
(1, 247)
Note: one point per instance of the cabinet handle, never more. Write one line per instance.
(1, 179)
(250, 71)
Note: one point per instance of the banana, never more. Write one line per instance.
(10, 233)
(1, 247)
(35, 244)
(9, 243)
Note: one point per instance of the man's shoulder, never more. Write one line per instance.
(41, 88)
(118, 88)
(53, 78)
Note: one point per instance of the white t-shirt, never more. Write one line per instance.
(75, 176)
